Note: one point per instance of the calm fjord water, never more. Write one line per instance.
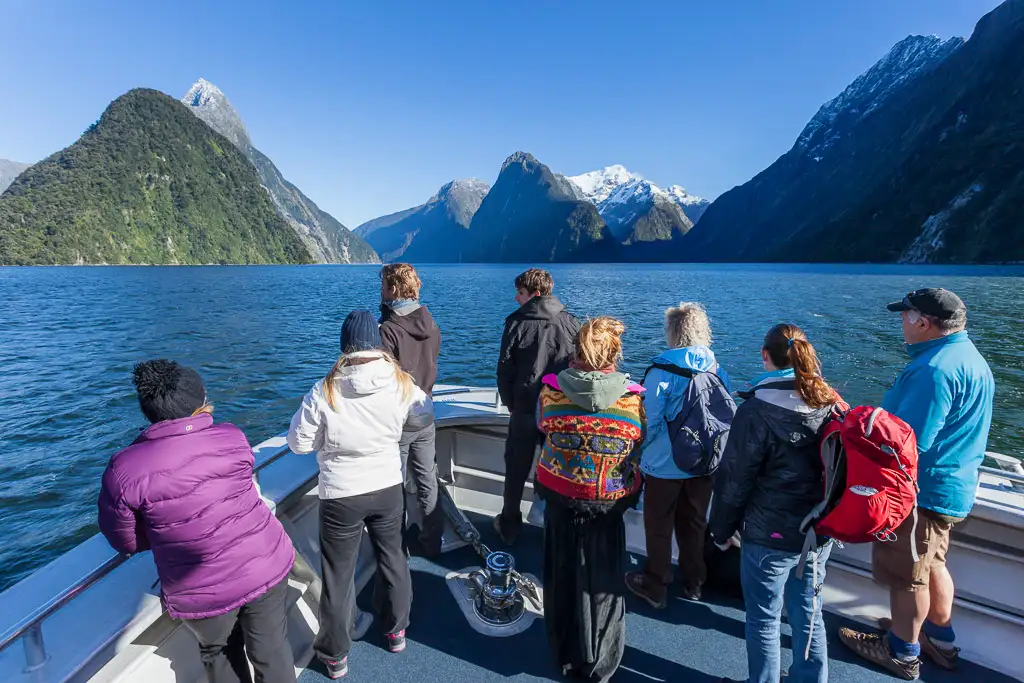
(261, 336)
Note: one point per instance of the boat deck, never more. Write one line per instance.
(697, 642)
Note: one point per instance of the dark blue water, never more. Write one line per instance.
(261, 336)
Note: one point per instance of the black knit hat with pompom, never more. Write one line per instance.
(167, 390)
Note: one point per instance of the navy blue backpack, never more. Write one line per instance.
(699, 432)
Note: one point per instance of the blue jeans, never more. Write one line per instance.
(769, 577)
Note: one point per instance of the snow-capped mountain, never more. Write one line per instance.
(596, 186)
(9, 170)
(624, 199)
(908, 59)
(640, 211)
(692, 205)
(433, 231)
(327, 239)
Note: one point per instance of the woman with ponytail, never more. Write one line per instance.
(588, 474)
(770, 479)
(353, 418)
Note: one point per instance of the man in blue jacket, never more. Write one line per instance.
(945, 394)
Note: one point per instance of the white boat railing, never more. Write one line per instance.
(29, 628)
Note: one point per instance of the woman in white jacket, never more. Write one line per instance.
(353, 419)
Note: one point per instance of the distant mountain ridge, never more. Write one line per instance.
(918, 160)
(634, 218)
(327, 239)
(435, 231)
(148, 183)
(9, 170)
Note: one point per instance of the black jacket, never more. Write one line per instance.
(414, 340)
(771, 473)
(538, 340)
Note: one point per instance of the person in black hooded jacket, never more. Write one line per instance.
(770, 478)
(408, 332)
(538, 340)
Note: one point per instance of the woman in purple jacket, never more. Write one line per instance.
(184, 490)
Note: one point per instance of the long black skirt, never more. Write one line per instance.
(584, 602)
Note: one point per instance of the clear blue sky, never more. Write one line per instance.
(370, 106)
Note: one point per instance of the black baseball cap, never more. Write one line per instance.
(933, 301)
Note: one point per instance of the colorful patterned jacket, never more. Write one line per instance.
(590, 456)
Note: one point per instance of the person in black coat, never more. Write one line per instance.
(538, 340)
(770, 479)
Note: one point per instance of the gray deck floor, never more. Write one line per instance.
(698, 642)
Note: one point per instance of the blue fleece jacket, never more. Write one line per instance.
(663, 401)
(945, 394)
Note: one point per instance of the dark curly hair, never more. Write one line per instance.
(168, 390)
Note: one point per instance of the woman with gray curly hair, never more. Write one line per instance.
(674, 500)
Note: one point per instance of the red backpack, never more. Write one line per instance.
(870, 461)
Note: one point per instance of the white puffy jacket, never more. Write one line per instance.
(357, 444)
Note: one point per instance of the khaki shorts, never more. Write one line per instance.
(892, 563)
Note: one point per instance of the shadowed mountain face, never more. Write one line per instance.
(920, 160)
(534, 215)
(328, 240)
(148, 183)
(432, 232)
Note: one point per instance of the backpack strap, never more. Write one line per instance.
(669, 368)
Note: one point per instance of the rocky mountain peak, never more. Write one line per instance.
(524, 159)
(9, 170)
(210, 104)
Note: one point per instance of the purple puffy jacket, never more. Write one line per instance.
(184, 490)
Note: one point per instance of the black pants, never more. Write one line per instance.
(341, 527)
(584, 603)
(259, 629)
(418, 458)
(680, 506)
(520, 448)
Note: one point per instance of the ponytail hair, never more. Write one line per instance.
(787, 347)
(404, 379)
(599, 343)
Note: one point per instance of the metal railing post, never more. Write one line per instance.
(35, 649)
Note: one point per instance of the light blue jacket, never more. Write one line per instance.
(663, 401)
(945, 394)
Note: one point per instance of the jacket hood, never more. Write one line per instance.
(366, 378)
(789, 418)
(592, 390)
(697, 358)
(417, 322)
(541, 308)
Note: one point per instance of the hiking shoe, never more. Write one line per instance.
(336, 668)
(636, 582)
(396, 641)
(946, 656)
(691, 593)
(508, 536)
(361, 625)
(874, 647)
